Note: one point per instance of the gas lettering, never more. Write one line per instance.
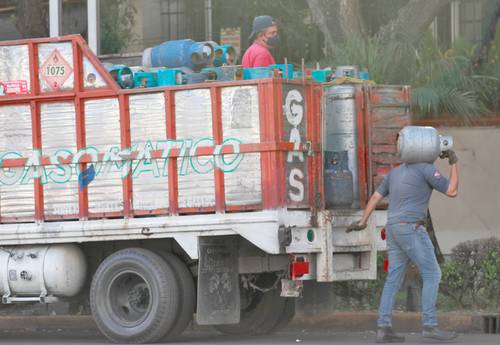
(294, 113)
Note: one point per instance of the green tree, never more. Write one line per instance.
(32, 18)
(397, 48)
(341, 20)
(117, 21)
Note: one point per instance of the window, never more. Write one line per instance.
(173, 21)
(443, 28)
(167, 20)
(183, 19)
(471, 20)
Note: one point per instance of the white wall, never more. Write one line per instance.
(475, 212)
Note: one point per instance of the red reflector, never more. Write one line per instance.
(298, 269)
(386, 265)
(382, 234)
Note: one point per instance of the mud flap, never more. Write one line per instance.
(218, 283)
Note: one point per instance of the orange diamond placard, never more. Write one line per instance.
(55, 70)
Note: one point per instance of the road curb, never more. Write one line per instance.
(402, 321)
(343, 321)
(65, 322)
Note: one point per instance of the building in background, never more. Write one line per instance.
(164, 20)
(156, 21)
(74, 18)
(465, 19)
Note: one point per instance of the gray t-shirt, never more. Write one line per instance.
(409, 187)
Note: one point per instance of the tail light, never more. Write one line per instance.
(382, 234)
(298, 267)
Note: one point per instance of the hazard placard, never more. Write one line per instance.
(55, 70)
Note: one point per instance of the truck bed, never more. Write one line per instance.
(75, 147)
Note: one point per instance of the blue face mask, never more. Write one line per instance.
(273, 41)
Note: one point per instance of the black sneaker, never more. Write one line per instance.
(387, 335)
(438, 334)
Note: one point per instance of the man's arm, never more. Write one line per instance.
(370, 207)
(382, 190)
(453, 182)
(452, 190)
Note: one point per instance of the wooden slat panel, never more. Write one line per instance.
(389, 113)
(390, 117)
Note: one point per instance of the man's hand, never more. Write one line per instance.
(356, 226)
(451, 155)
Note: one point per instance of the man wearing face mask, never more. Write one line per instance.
(264, 37)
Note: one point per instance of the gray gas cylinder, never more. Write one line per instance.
(347, 71)
(418, 144)
(341, 128)
(338, 180)
(42, 270)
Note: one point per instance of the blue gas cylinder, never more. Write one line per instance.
(225, 55)
(257, 73)
(168, 77)
(123, 75)
(285, 69)
(145, 79)
(195, 78)
(321, 75)
(338, 180)
(180, 53)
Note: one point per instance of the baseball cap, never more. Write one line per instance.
(260, 23)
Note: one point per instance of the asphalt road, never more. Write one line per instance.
(302, 337)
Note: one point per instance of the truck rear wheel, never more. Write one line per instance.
(134, 296)
(187, 292)
(261, 312)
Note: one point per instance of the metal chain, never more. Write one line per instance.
(248, 282)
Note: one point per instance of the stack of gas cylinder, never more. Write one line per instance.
(329, 74)
(179, 62)
(188, 62)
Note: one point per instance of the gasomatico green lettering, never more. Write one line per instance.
(136, 161)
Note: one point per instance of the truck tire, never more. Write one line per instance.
(187, 292)
(261, 315)
(134, 296)
(287, 314)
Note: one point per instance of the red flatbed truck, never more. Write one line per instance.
(161, 203)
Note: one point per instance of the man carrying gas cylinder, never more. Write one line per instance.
(409, 187)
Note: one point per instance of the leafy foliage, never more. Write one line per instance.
(472, 276)
(444, 83)
(470, 280)
(491, 66)
(117, 21)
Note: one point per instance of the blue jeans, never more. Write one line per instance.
(405, 243)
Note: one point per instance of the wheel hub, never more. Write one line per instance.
(139, 297)
(130, 298)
